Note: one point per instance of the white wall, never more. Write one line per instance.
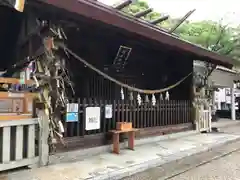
(224, 96)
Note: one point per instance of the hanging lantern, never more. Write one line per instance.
(122, 94)
(146, 99)
(139, 99)
(153, 100)
(131, 96)
(167, 96)
(161, 97)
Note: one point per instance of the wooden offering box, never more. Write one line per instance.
(124, 126)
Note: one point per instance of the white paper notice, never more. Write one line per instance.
(92, 120)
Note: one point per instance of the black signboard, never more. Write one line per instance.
(121, 57)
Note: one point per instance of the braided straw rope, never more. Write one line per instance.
(143, 91)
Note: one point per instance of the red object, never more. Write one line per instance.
(123, 126)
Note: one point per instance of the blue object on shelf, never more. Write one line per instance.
(72, 117)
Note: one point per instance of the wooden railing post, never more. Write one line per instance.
(43, 138)
(210, 119)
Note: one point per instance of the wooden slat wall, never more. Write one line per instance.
(164, 113)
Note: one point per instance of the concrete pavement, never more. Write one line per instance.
(187, 166)
(226, 167)
(99, 163)
(110, 166)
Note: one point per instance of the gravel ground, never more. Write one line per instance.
(219, 164)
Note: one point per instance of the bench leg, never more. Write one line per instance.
(131, 137)
(116, 143)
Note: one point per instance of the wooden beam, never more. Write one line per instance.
(143, 13)
(14, 81)
(123, 4)
(182, 20)
(161, 19)
(140, 28)
(14, 117)
(19, 5)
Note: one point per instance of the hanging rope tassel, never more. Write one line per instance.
(167, 96)
(139, 99)
(131, 96)
(161, 97)
(122, 94)
(146, 99)
(153, 100)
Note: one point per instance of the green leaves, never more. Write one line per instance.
(208, 34)
(136, 7)
(213, 36)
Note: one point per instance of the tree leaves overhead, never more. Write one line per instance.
(211, 35)
(140, 6)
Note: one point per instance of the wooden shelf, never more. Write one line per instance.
(14, 81)
(14, 116)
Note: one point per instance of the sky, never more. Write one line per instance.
(227, 10)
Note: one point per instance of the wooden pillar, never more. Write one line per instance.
(43, 138)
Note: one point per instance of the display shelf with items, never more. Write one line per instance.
(16, 100)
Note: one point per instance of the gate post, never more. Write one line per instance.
(43, 138)
(210, 119)
(197, 118)
(233, 111)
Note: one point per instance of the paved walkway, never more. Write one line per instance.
(201, 166)
(111, 166)
(224, 122)
(226, 168)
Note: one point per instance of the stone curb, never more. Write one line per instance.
(119, 174)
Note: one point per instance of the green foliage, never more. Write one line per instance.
(207, 34)
(136, 7)
(140, 6)
(213, 36)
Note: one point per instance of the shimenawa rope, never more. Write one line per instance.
(143, 91)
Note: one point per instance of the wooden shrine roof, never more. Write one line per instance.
(108, 15)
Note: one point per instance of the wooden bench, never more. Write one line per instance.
(131, 138)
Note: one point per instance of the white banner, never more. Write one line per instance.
(108, 111)
(92, 120)
(72, 107)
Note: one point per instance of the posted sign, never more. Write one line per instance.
(92, 121)
(108, 111)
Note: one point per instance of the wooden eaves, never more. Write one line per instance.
(97, 11)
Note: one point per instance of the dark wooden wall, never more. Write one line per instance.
(10, 21)
(148, 67)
